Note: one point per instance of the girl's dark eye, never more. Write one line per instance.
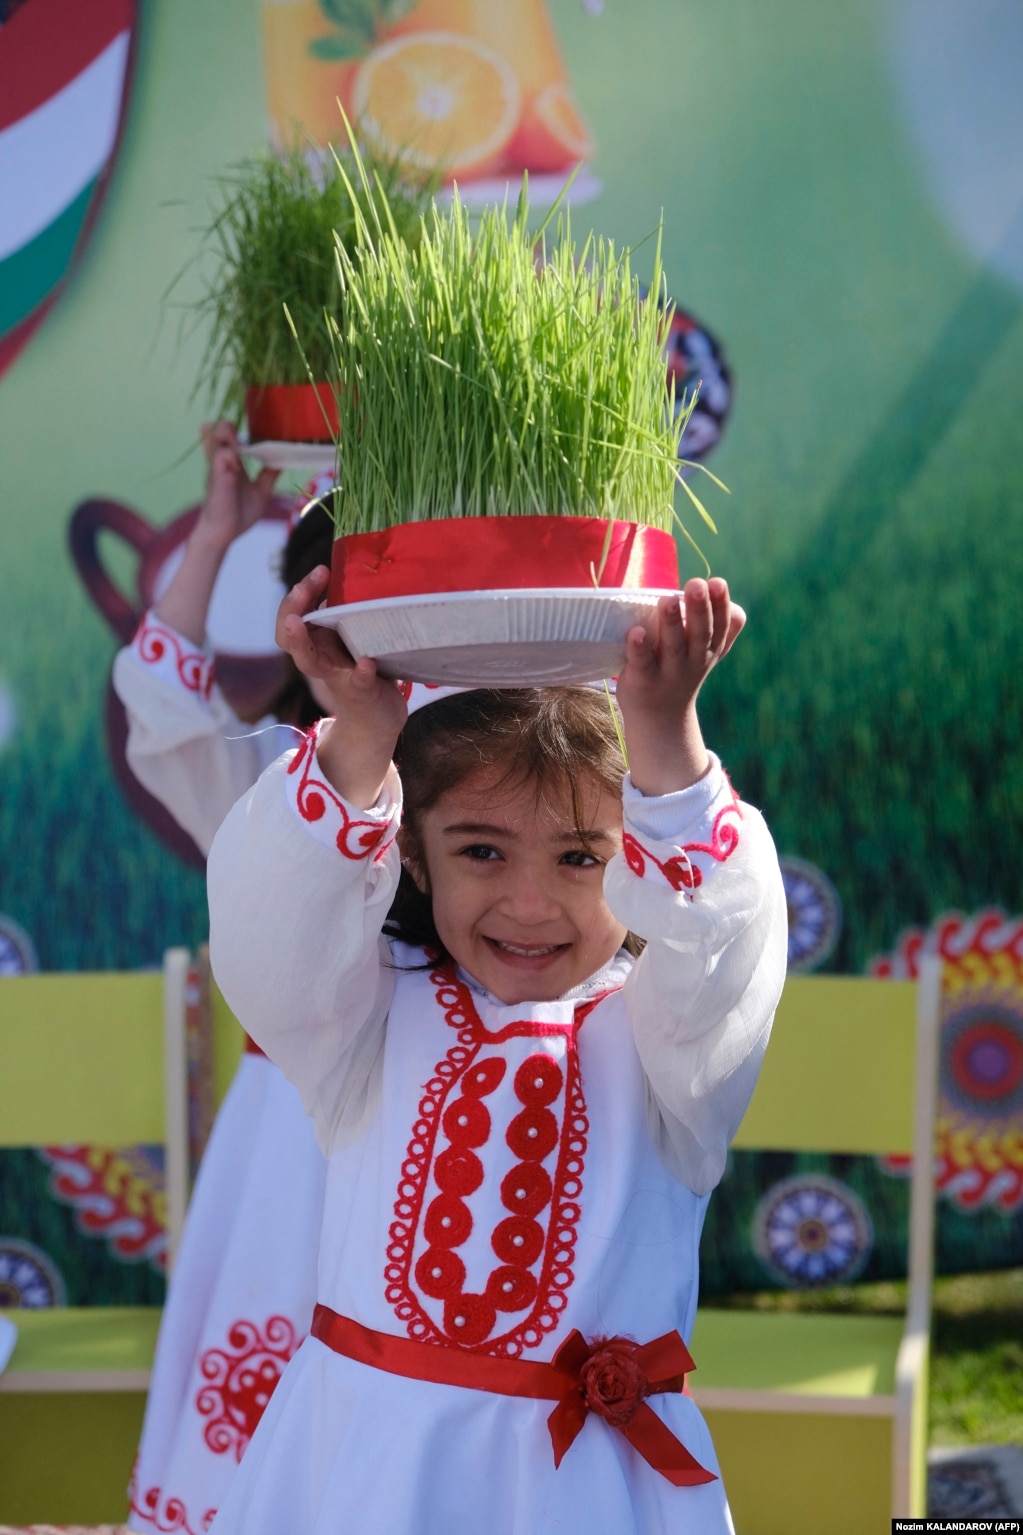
(481, 851)
(579, 858)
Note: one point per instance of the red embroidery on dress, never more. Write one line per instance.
(162, 1512)
(314, 798)
(241, 1381)
(519, 1241)
(680, 871)
(152, 644)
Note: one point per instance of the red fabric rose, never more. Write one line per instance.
(612, 1382)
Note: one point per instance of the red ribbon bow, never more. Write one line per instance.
(613, 1377)
(610, 1376)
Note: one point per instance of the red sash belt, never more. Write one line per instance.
(251, 1048)
(610, 1376)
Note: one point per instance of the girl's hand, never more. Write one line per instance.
(233, 501)
(658, 686)
(355, 753)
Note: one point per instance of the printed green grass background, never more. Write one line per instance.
(872, 530)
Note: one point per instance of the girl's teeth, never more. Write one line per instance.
(528, 953)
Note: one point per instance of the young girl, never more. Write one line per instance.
(243, 1288)
(523, 1120)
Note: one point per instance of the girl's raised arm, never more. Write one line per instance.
(300, 882)
(699, 879)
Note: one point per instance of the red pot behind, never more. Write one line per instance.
(291, 413)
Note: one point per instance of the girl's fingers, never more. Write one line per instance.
(304, 596)
(639, 650)
(736, 624)
(226, 460)
(218, 434)
(364, 674)
(699, 620)
(720, 608)
(671, 633)
(316, 651)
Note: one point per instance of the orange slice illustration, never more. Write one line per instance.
(551, 135)
(437, 99)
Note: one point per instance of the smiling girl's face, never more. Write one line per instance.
(516, 883)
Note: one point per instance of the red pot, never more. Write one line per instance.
(468, 554)
(291, 413)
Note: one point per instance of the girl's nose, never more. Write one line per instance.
(530, 898)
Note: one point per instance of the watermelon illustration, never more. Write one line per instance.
(65, 69)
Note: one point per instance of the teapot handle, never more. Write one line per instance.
(88, 520)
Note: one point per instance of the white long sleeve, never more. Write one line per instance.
(299, 886)
(186, 746)
(699, 880)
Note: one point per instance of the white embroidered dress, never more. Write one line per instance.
(499, 1175)
(243, 1288)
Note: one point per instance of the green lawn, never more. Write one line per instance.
(977, 1350)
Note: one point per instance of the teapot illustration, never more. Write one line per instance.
(250, 670)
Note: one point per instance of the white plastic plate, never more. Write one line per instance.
(314, 456)
(509, 639)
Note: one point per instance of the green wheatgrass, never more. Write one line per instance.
(270, 248)
(487, 369)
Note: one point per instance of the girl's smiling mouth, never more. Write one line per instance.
(521, 953)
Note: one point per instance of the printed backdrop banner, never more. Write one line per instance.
(842, 194)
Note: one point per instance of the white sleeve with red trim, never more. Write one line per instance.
(186, 746)
(699, 880)
(300, 883)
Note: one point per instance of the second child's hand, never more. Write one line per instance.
(355, 753)
(234, 502)
(658, 686)
(231, 505)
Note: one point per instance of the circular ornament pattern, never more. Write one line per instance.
(815, 914)
(982, 1060)
(695, 361)
(980, 1100)
(28, 1276)
(17, 951)
(812, 1230)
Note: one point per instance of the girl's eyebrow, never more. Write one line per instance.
(483, 829)
(477, 829)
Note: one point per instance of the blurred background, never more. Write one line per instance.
(842, 195)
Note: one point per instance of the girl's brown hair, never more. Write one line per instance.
(309, 544)
(552, 738)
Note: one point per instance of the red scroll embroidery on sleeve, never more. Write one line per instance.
(315, 800)
(157, 646)
(680, 871)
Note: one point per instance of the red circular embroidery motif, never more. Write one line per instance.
(535, 1261)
